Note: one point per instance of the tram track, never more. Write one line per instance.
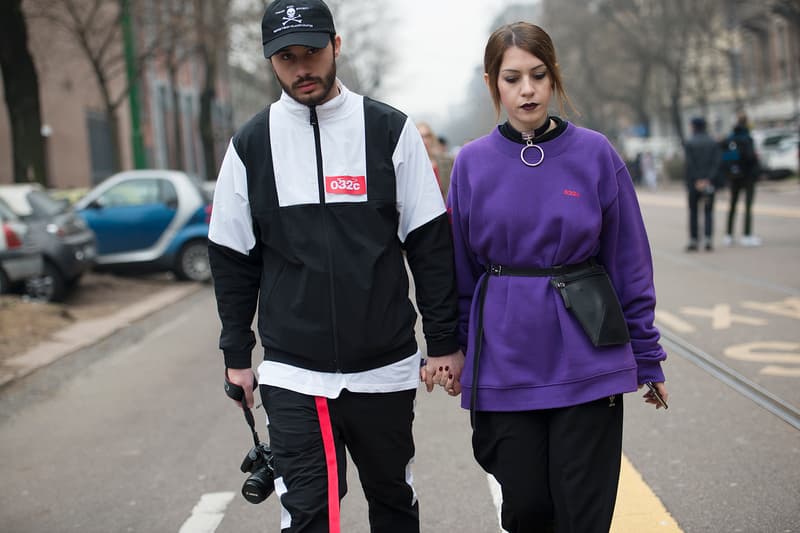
(719, 370)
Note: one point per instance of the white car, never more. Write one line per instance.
(782, 156)
(778, 152)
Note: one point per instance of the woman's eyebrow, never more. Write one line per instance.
(513, 70)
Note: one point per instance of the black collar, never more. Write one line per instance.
(508, 131)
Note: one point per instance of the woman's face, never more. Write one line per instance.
(525, 89)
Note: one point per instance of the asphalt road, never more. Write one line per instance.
(135, 433)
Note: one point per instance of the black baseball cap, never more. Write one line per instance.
(296, 22)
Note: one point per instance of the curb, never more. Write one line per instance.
(85, 333)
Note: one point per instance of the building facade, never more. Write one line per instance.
(76, 128)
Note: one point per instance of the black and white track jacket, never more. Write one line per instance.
(312, 210)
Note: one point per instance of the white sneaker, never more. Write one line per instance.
(750, 240)
(727, 240)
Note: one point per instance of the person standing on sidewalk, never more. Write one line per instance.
(441, 161)
(703, 158)
(317, 198)
(536, 201)
(742, 171)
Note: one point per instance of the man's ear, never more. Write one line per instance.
(337, 46)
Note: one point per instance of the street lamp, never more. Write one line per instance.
(46, 131)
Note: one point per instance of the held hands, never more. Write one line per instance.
(246, 379)
(445, 371)
(702, 185)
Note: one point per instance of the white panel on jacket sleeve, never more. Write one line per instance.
(231, 224)
(419, 199)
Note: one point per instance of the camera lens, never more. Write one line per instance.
(258, 486)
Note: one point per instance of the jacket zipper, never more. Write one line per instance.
(321, 183)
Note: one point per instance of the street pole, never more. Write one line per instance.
(139, 159)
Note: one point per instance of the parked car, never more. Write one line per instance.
(778, 152)
(150, 221)
(67, 243)
(20, 258)
(780, 158)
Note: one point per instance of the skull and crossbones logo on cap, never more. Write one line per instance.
(292, 16)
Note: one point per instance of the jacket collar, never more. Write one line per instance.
(324, 111)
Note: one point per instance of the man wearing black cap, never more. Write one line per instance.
(703, 158)
(318, 197)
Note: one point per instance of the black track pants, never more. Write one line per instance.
(308, 436)
(558, 468)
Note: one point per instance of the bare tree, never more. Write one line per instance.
(212, 18)
(367, 54)
(175, 38)
(95, 26)
(21, 87)
(602, 73)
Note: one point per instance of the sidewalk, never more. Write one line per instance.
(87, 332)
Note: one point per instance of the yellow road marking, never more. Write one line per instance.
(721, 316)
(673, 322)
(780, 371)
(790, 307)
(638, 508)
(766, 352)
(661, 200)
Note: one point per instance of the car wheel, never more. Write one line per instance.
(50, 287)
(72, 283)
(3, 283)
(192, 263)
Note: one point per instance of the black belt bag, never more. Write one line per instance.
(589, 295)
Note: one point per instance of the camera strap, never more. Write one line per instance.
(235, 392)
(248, 415)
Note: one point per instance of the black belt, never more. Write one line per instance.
(500, 270)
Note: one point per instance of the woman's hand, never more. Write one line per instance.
(651, 397)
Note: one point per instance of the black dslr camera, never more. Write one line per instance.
(258, 461)
(260, 484)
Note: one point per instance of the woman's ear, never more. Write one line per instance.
(486, 80)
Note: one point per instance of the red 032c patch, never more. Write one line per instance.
(355, 185)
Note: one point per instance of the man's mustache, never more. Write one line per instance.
(307, 79)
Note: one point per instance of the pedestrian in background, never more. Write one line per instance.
(649, 170)
(703, 158)
(317, 198)
(441, 160)
(536, 205)
(742, 171)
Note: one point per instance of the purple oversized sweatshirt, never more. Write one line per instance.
(579, 203)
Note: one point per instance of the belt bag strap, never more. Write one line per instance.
(500, 270)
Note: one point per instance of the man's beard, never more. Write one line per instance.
(326, 83)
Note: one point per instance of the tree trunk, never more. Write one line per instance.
(206, 116)
(116, 141)
(675, 108)
(21, 87)
(177, 129)
(113, 122)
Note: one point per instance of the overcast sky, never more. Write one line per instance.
(439, 45)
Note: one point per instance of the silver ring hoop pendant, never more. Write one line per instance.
(534, 163)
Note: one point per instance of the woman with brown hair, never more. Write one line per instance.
(537, 205)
